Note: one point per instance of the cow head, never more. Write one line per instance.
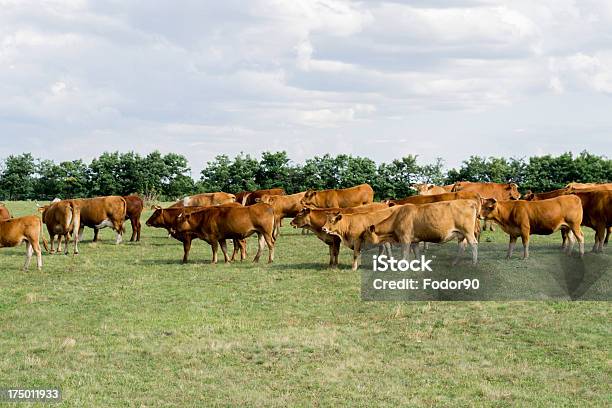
(302, 219)
(488, 208)
(512, 190)
(308, 201)
(181, 223)
(529, 195)
(266, 198)
(332, 224)
(422, 188)
(370, 235)
(156, 220)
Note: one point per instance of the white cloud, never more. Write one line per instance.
(219, 75)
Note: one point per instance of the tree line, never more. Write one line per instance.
(168, 177)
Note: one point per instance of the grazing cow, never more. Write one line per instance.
(342, 198)
(284, 206)
(531, 196)
(314, 220)
(102, 212)
(60, 218)
(4, 212)
(205, 199)
(166, 218)
(519, 218)
(428, 189)
(436, 222)
(351, 227)
(597, 214)
(216, 224)
(14, 231)
(254, 196)
(133, 210)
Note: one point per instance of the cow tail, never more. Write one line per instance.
(42, 235)
(124, 212)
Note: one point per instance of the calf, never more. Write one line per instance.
(499, 191)
(350, 228)
(60, 218)
(216, 224)
(314, 220)
(133, 211)
(523, 218)
(437, 222)
(342, 198)
(166, 218)
(17, 230)
(4, 212)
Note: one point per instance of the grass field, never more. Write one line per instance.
(129, 325)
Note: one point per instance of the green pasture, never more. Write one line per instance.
(129, 325)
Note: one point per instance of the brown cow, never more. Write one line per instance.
(205, 199)
(350, 227)
(17, 230)
(254, 196)
(216, 224)
(597, 213)
(437, 222)
(582, 186)
(531, 196)
(101, 212)
(284, 206)
(342, 198)
(428, 189)
(505, 191)
(520, 218)
(133, 211)
(60, 218)
(166, 218)
(314, 219)
(4, 212)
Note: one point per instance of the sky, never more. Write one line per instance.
(382, 79)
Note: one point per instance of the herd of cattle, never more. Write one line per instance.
(344, 216)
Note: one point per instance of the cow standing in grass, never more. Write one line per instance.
(26, 229)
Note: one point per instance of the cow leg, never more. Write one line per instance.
(223, 244)
(66, 241)
(28, 255)
(387, 247)
(270, 242)
(336, 246)
(425, 246)
(186, 248)
(52, 240)
(525, 240)
(276, 230)
(565, 237)
(473, 241)
(460, 250)
(138, 228)
(215, 248)
(133, 224)
(235, 251)
(331, 255)
(356, 254)
(511, 245)
(81, 230)
(36, 247)
(261, 242)
(580, 237)
(608, 232)
(243, 249)
(95, 238)
(59, 243)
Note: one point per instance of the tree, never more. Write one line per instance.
(16, 179)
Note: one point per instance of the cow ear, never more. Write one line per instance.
(338, 217)
(372, 228)
(306, 210)
(391, 204)
(41, 209)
